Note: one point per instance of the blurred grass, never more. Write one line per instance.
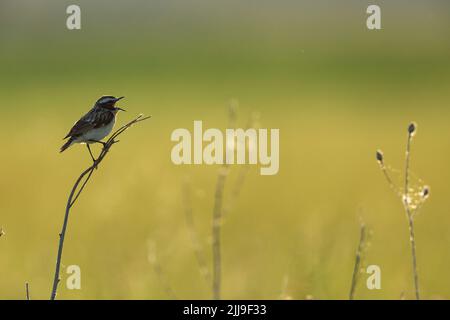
(336, 95)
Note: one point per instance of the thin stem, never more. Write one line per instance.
(414, 259)
(82, 187)
(406, 201)
(388, 178)
(73, 196)
(27, 291)
(218, 215)
(411, 208)
(216, 232)
(408, 154)
(62, 234)
(357, 261)
(241, 177)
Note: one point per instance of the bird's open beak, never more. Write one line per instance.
(117, 108)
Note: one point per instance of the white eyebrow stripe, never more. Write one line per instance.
(106, 100)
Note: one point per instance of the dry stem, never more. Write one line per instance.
(216, 232)
(74, 194)
(410, 216)
(217, 218)
(27, 291)
(411, 208)
(362, 239)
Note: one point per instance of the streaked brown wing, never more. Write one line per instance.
(96, 118)
(83, 125)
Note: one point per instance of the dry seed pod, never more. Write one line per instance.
(379, 156)
(412, 128)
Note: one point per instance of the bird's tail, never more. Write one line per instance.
(67, 144)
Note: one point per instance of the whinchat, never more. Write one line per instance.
(94, 125)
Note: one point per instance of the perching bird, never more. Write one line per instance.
(94, 125)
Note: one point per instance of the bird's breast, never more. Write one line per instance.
(98, 134)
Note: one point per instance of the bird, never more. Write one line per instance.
(94, 125)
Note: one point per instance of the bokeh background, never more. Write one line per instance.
(336, 91)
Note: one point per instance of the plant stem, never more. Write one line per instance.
(414, 259)
(409, 214)
(218, 214)
(216, 232)
(74, 196)
(408, 153)
(27, 291)
(62, 234)
(357, 261)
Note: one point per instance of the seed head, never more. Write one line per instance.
(425, 192)
(412, 128)
(380, 156)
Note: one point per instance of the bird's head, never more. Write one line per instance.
(109, 102)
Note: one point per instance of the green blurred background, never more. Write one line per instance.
(336, 91)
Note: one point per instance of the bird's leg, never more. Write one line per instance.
(90, 152)
(92, 156)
